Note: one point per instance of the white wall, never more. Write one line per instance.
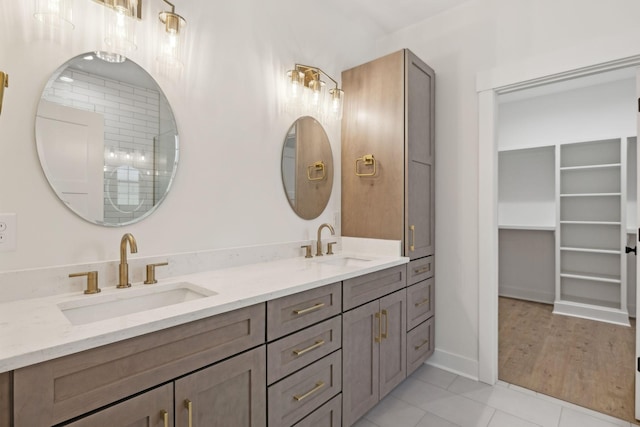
(477, 37)
(228, 190)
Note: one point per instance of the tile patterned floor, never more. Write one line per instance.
(432, 397)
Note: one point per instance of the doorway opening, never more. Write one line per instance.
(566, 208)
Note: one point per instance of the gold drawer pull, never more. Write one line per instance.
(412, 247)
(318, 386)
(422, 270)
(385, 335)
(318, 343)
(423, 302)
(165, 417)
(310, 309)
(189, 405)
(378, 338)
(418, 347)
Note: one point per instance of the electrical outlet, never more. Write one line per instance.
(8, 232)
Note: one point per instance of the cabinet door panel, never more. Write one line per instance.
(361, 362)
(420, 345)
(393, 347)
(328, 415)
(419, 230)
(230, 393)
(145, 410)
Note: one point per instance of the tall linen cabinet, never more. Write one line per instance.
(388, 193)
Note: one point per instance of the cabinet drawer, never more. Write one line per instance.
(420, 344)
(294, 312)
(57, 390)
(295, 351)
(420, 302)
(298, 395)
(328, 415)
(361, 290)
(420, 269)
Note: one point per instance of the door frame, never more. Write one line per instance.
(488, 86)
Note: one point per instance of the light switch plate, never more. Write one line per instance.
(8, 232)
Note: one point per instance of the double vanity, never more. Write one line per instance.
(296, 341)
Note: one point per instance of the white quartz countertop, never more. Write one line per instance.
(36, 330)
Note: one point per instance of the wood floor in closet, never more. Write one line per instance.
(581, 361)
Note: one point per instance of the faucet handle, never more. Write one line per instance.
(330, 248)
(151, 272)
(308, 251)
(92, 281)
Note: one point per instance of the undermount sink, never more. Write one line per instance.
(130, 301)
(343, 261)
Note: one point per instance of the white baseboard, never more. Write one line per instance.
(526, 294)
(454, 363)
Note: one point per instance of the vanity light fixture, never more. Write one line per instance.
(119, 29)
(55, 13)
(170, 47)
(306, 93)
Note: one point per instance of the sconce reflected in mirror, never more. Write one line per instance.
(307, 95)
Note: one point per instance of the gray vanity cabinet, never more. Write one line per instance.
(374, 345)
(150, 409)
(391, 196)
(229, 393)
(62, 389)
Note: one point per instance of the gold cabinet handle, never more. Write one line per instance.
(165, 417)
(367, 160)
(4, 82)
(412, 247)
(300, 397)
(318, 343)
(418, 347)
(378, 337)
(385, 334)
(423, 302)
(422, 270)
(310, 309)
(189, 405)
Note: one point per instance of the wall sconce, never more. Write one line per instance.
(119, 29)
(4, 82)
(306, 93)
(169, 50)
(55, 13)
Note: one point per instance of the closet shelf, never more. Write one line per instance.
(526, 227)
(591, 277)
(586, 167)
(590, 250)
(591, 222)
(591, 195)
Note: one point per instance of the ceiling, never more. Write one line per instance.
(392, 15)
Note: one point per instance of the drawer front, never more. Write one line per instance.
(361, 290)
(420, 344)
(300, 349)
(54, 391)
(298, 395)
(294, 312)
(420, 269)
(420, 302)
(328, 415)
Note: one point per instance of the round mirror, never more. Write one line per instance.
(307, 167)
(107, 140)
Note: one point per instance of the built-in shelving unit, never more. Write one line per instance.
(591, 210)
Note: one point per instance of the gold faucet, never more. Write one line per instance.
(124, 267)
(319, 243)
